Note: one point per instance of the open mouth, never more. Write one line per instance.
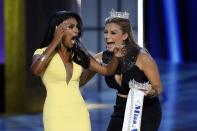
(110, 45)
(74, 39)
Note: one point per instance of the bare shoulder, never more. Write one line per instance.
(99, 56)
(144, 59)
(144, 55)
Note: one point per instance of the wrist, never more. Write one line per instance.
(153, 93)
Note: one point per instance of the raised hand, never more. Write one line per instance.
(59, 32)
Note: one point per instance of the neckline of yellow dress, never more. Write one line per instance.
(73, 63)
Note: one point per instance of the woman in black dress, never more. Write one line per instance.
(137, 65)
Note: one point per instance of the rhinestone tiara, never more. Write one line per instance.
(116, 14)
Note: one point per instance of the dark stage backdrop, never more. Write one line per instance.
(1, 58)
(1, 34)
(171, 29)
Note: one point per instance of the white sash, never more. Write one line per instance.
(133, 111)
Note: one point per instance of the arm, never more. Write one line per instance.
(88, 74)
(111, 67)
(87, 62)
(103, 69)
(40, 61)
(148, 65)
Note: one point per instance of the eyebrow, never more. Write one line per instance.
(114, 30)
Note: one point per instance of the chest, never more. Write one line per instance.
(57, 70)
(121, 82)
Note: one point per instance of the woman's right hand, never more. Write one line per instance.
(41, 61)
(59, 32)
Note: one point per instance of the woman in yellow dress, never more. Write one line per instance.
(60, 62)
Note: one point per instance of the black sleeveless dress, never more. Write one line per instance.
(151, 114)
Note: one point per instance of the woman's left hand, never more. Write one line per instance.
(151, 93)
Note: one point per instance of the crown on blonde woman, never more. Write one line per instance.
(116, 14)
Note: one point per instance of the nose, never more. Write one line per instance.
(106, 35)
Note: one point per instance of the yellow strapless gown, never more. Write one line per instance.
(64, 108)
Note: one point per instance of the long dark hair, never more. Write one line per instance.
(55, 20)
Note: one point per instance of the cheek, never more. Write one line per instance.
(66, 33)
(118, 38)
(66, 36)
(118, 41)
(65, 40)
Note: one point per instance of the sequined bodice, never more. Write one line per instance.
(127, 68)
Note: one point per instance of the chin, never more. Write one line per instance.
(71, 46)
(110, 49)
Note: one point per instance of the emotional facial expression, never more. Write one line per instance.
(71, 32)
(113, 36)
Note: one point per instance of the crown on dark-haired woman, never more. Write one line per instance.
(118, 14)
